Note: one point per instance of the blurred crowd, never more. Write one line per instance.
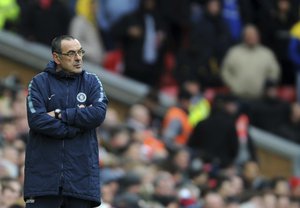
(228, 63)
(163, 43)
(199, 154)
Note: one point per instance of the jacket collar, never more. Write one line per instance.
(51, 68)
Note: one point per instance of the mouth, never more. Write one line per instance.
(77, 65)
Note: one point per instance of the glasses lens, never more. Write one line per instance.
(81, 53)
(71, 54)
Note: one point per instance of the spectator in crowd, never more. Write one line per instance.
(290, 129)
(242, 12)
(209, 40)
(237, 183)
(164, 190)
(246, 11)
(224, 188)
(9, 87)
(71, 4)
(176, 16)
(83, 26)
(112, 120)
(130, 182)
(10, 12)
(235, 13)
(200, 107)
(176, 127)
(283, 202)
(294, 183)
(20, 115)
(253, 199)
(269, 199)
(275, 31)
(178, 165)
(9, 161)
(139, 117)
(142, 37)
(213, 200)
(11, 193)
(280, 186)
(215, 138)
(246, 150)
(293, 52)
(270, 112)
(45, 19)
(118, 141)
(110, 177)
(232, 13)
(189, 196)
(140, 122)
(110, 12)
(10, 133)
(248, 65)
(252, 177)
(127, 200)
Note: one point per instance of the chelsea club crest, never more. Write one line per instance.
(81, 97)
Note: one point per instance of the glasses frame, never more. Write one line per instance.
(72, 54)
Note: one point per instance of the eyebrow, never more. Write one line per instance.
(73, 50)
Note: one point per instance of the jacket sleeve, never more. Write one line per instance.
(274, 70)
(38, 119)
(228, 71)
(91, 116)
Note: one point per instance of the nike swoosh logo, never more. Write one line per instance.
(49, 98)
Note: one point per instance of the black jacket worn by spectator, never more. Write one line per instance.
(216, 138)
(209, 39)
(133, 45)
(269, 113)
(41, 22)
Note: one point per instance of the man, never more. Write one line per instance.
(213, 200)
(142, 38)
(248, 65)
(65, 104)
(176, 127)
(294, 55)
(214, 139)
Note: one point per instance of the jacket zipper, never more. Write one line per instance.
(62, 165)
(63, 145)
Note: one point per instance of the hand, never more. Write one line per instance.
(135, 31)
(83, 106)
(160, 37)
(51, 113)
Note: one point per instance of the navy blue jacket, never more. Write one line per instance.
(63, 154)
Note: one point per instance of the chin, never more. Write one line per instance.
(77, 70)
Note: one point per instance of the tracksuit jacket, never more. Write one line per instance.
(62, 155)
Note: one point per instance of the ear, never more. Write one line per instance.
(56, 58)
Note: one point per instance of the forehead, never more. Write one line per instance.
(70, 45)
(250, 30)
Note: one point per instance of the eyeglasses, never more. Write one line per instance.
(72, 54)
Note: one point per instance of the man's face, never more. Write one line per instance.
(214, 7)
(251, 36)
(70, 59)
